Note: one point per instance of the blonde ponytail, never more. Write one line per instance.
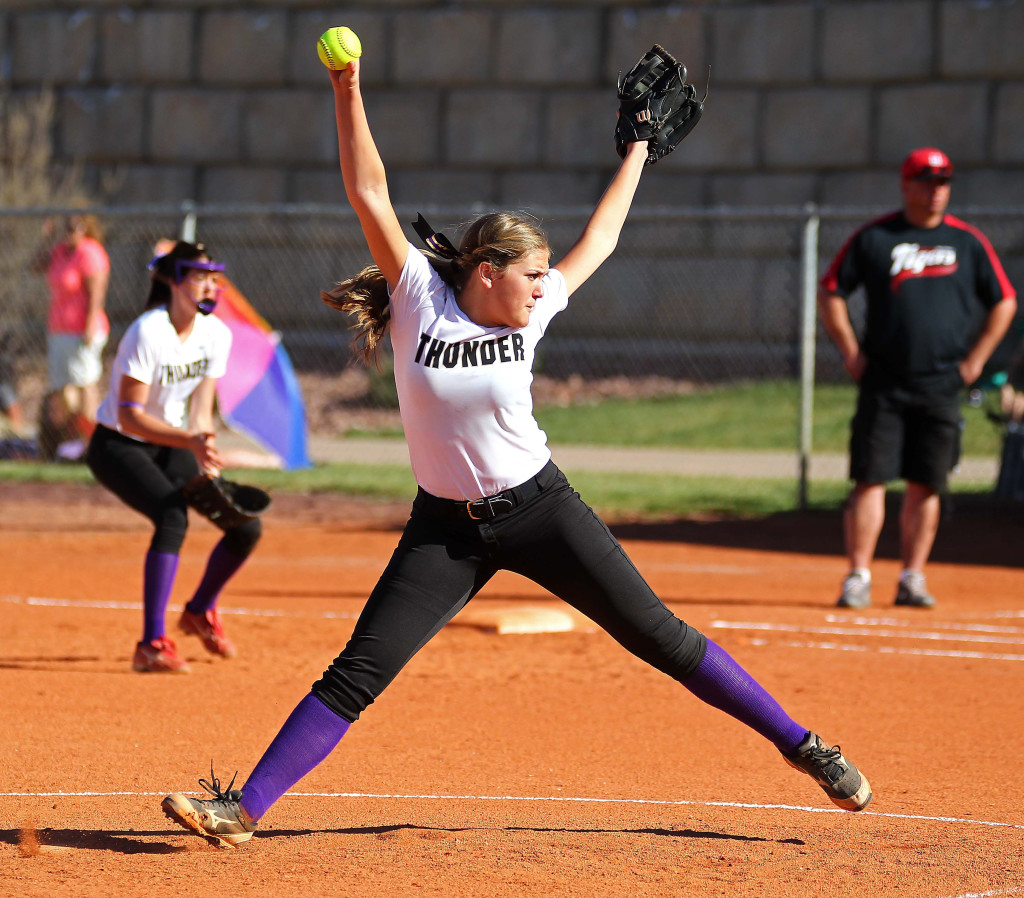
(500, 238)
(365, 297)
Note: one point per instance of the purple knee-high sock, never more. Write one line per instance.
(722, 683)
(158, 580)
(221, 567)
(308, 736)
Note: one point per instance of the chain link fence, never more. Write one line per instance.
(690, 296)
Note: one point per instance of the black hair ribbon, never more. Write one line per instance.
(434, 240)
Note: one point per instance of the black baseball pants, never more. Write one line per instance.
(149, 478)
(444, 558)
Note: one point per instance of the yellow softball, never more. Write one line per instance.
(337, 47)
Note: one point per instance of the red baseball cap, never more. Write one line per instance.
(925, 164)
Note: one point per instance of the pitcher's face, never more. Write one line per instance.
(515, 291)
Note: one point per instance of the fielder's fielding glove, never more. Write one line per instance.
(225, 503)
(656, 104)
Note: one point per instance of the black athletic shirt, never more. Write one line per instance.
(923, 287)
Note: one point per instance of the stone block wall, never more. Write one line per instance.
(511, 102)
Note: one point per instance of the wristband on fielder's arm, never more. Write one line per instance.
(656, 104)
(226, 503)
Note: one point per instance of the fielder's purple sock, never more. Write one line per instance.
(308, 736)
(157, 582)
(722, 683)
(221, 567)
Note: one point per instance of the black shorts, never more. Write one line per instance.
(900, 434)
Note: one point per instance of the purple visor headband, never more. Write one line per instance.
(181, 265)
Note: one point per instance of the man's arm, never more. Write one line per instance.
(996, 324)
(835, 316)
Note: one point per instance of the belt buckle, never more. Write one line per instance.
(488, 503)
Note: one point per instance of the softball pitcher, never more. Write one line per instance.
(155, 433)
(465, 324)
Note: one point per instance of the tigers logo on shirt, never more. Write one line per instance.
(911, 260)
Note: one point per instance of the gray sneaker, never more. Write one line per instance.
(913, 592)
(856, 592)
(220, 820)
(843, 783)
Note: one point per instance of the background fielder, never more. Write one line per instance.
(155, 434)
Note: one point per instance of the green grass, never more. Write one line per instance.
(762, 415)
(652, 495)
(674, 496)
(372, 481)
(745, 416)
(39, 472)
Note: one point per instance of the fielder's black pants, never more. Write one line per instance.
(149, 478)
(444, 558)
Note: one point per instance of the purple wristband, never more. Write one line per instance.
(130, 405)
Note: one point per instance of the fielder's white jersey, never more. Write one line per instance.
(464, 389)
(152, 352)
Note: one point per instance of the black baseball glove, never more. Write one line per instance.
(225, 503)
(656, 104)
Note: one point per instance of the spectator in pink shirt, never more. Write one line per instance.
(77, 270)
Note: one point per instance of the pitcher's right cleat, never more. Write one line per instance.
(843, 783)
(220, 820)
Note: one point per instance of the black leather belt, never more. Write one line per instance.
(489, 507)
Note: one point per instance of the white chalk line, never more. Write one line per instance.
(893, 623)
(981, 615)
(560, 799)
(868, 631)
(891, 650)
(889, 622)
(894, 629)
(993, 894)
(137, 606)
(981, 633)
(936, 625)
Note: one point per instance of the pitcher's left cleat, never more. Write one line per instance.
(220, 820)
(843, 783)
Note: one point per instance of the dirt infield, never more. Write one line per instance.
(496, 765)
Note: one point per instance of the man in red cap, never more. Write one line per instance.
(926, 276)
